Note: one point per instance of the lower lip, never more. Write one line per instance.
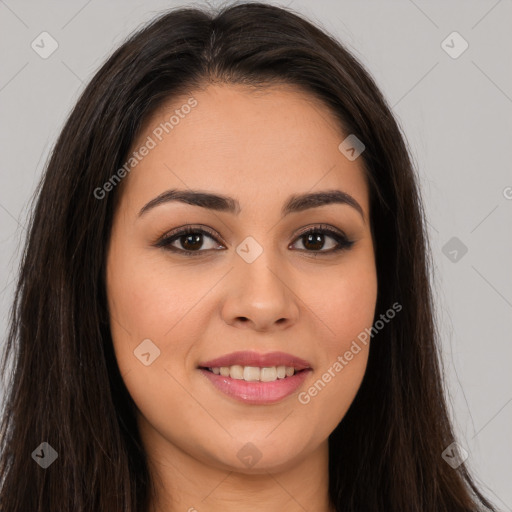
(257, 392)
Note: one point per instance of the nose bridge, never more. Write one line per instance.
(262, 294)
(259, 267)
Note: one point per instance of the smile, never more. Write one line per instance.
(255, 378)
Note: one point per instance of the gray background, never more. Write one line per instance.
(456, 114)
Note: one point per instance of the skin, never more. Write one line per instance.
(260, 148)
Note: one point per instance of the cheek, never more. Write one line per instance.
(344, 300)
(154, 310)
(349, 308)
(345, 312)
(149, 300)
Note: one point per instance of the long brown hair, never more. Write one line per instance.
(64, 384)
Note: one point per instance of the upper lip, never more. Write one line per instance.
(248, 358)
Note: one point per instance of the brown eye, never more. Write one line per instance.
(314, 240)
(189, 241)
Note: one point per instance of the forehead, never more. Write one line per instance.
(245, 143)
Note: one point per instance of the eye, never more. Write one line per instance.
(314, 239)
(190, 239)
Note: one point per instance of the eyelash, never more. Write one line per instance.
(165, 242)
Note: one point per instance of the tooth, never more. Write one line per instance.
(251, 373)
(254, 373)
(236, 372)
(268, 374)
(289, 371)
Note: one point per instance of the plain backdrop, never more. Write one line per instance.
(454, 108)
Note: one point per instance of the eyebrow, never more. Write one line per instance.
(218, 202)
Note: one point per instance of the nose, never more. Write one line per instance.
(260, 296)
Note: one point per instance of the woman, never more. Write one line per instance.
(224, 299)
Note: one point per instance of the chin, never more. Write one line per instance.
(260, 455)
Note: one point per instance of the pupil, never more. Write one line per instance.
(316, 244)
(195, 245)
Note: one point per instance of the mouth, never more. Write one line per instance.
(255, 378)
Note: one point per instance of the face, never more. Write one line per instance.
(256, 279)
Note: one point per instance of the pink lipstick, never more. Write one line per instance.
(255, 378)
